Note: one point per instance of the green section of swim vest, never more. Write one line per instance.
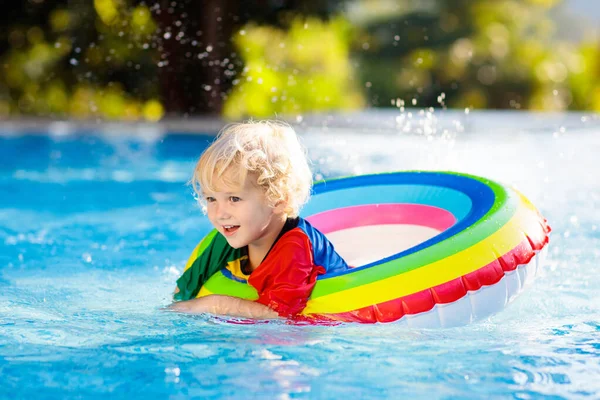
(206, 242)
(213, 254)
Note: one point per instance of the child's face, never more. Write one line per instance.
(243, 215)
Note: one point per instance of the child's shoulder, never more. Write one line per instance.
(294, 236)
(314, 235)
(323, 251)
(300, 230)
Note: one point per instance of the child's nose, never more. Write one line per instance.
(222, 211)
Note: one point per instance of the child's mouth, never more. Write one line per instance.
(230, 229)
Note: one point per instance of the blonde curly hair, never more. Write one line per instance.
(268, 150)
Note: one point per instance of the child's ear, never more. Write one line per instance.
(280, 207)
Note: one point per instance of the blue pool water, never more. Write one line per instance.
(95, 227)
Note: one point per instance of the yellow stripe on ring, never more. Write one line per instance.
(430, 275)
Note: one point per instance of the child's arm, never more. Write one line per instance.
(225, 305)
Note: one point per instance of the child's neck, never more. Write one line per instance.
(258, 251)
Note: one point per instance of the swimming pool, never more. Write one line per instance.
(95, 227)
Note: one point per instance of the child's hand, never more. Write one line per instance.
(194, 306)
(224, 305)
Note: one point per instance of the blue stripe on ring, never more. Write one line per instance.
(454, 201)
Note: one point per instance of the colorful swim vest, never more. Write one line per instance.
(430, 249)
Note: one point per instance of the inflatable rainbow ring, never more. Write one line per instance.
(475, 245)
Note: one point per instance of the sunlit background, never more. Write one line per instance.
(146, 60)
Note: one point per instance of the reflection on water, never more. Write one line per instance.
(94, 232)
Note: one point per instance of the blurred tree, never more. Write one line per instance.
(79, 58)
(127, 59)
(132, 59)
(302, 69)
(477, 53)
(198, 59)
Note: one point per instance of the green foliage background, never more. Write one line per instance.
(114, 59)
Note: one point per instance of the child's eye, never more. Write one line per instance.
(234, 199)
(210, 199)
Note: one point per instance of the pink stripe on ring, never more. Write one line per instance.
(382, 214)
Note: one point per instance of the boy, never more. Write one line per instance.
(252, 182)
